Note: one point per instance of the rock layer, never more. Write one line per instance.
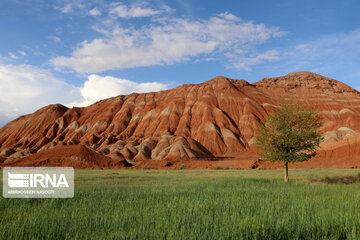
(217, 118)
(76, 156)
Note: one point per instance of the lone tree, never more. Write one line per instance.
(290, 134)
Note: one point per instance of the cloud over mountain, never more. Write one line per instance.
(97, 88)
(25, 88)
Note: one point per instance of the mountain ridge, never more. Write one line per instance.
(306, 79)
(216, 118)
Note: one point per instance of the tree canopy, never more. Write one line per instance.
(290, 134)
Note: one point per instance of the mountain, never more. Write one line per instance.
(213, 120)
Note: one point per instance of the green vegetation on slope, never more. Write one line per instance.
(222, 204)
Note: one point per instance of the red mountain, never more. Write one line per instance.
(214, 120)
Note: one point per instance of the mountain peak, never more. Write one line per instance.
(221, 80)
(304, 74)
(305, 79)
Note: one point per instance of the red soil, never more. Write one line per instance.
(76, 156)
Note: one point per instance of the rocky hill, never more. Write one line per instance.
(214, 120)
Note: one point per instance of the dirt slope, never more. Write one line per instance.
(76, 156)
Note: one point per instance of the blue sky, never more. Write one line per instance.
(80, 51)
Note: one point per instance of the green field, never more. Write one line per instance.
(186, 204)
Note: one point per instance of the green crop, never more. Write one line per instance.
(221, 204)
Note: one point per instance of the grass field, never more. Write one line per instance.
(217, 204)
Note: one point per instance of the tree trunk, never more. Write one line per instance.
(286, 172)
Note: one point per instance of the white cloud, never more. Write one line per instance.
(342, 46)
(229, 16)
(165, 41)
(113, 10)
(22, 53)
(56, 39)
(25, 88)
(73, 6)
(304, 47)
(95, 12)
(98, 87)
(66, 9)
(245, 63)
(123, 11)
(59, 30)
(333, 55)
(13, 56)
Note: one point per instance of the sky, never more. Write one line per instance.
(77, 52)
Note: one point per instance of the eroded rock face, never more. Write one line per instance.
(76, 156)
(217, 118)
(306, 80)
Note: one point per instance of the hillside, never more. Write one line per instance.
(214, 119)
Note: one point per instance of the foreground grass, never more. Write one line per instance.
(219, 204)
